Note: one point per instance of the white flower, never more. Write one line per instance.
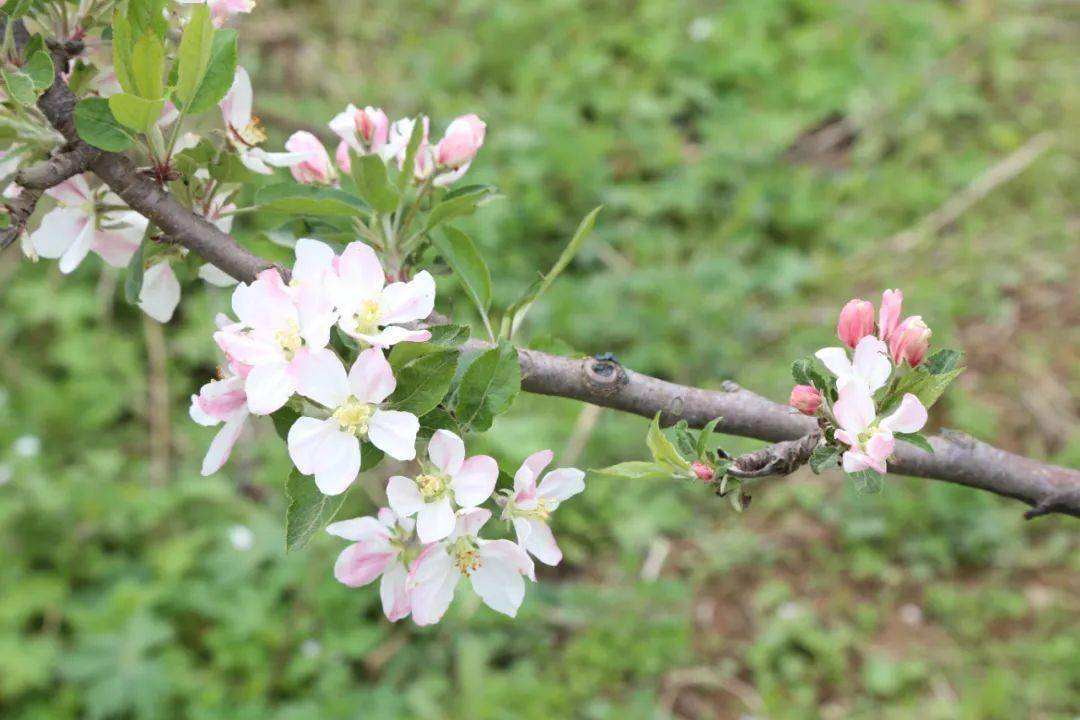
(220, 401)
(530, 505)
(245, 133)
(467, 481)
(496, 570)
(871, 366)
(329, 448)
(380, 548)
(870, 440)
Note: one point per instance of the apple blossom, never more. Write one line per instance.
(910, 341)
(315, 167)
(245, 132)
(450, 476)
(871, 440)
(364, 131)
(329, 448)
(496, 570)
(805, 398)
(462, 141)
(531, 504)
(383, 546)
(871, 366)
(221, 401)
(889, 315)
(856, 322)
(371, 311)
(160, 291)
(221, 10)
(400, 134)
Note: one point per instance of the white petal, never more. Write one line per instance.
(73, 192)
(360, 273)
(160, 292)
(872, 362)
(435, 521)
(434, 579)
(836, 360)
(855, 461)
(447, 451)
(475, 482)
(215, 276)
(394, 592)
(78, 249)
(392, 335)
(498, 581)
(561, 484)
(394, 432)
(236, 106)
(469, 522)
(117, 247)
(359, 564)
(58, 231)
(406, 301)
(319, 448)
(541, 542)
(320, 376)
(222, 444)
(909, 417)
(359, 529)
(313, 259)
(268, 387)
(265, 304)
(371, 378)
(854, 410)
(404, 497)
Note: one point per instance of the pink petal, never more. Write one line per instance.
(221, 446)
(540, 542)
(265, 304)
(319, 448)
(835, 360)
(313, 260)
(360, 272)
(561, 484)
(879, 448)
(371, 378)
(394, 592)
(73, 192)
(58, 231)
(872, 362)
(447, 451)
(360, 529)
(475, 481)
(358, 564)
(854, 410)
(910, 417)
(404, 302)
(469, 522)
(855, 461)
(160, 293)
(498, 581)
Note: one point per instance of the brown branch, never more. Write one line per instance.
(783, 458)
(957, 458)
(37, 178)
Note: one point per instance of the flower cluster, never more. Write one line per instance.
(876, 393)
(279, 352)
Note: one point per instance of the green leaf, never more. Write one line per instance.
(409, 162)
(283, 420)
(684, 441)
(194, 58)
(706, 433)
(450, 336)
(369, 172)
(917, 439)
(488, 387)
(928, 388)
(520, 308)
(148, 67)
(636, 470)
(309, 510)
(824, 457)
(438, 419)
(135, 112)
(868, 482)
(943, 361)
(460, 203)
(805, 372)
(20, 87)
(423, 377)
(148, 16)
(460, 253)
(122, 42)
(135, 269)
(309, 200)
(41, 70)
(663, 451)
(18, 8)
(219, 74)
(97, 126)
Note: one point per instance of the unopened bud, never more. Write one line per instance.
(806, 399)
(704, 472)
(856, 322)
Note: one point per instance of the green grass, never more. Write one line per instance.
(733, 231)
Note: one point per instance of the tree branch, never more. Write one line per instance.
(957, 458)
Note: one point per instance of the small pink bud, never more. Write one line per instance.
(910, 341)
(344, 162)
(373, 127)
(462, 141)
(315, 168)
(889, 317)
(856, 322)
(703, 471)
(805, 398)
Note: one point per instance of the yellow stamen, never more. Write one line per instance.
(366, 320)
(431, 486)
(467, 560)
(353, 416)
(289, 339)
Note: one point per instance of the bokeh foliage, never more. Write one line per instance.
(759, 164)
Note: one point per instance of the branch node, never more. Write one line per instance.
(604, 375)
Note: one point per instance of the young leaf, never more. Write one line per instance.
(309, 510)
(663, 451)
(283, 420)
(97, 126)
(134, 112)
(309, 200)
(684, 441)
(148, 16)
(449, 336)
(943, 361)
(488, 387)
(868, 482)
(925, 386)
(41, 70)
(20, 87)
(464, 259)
(438, 419)
(706, 433)
(422, 379)
(460, 203)
(148, 67)
(369, 172)
(219, 74)
(824, 457)
(916, 439)
(195, 46)
(636, 470)
(122, 42)
(411, 149)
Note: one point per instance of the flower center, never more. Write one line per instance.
(353, 416)
(252, 135)
(366, 320)
(432, 487)
(466, 557)
(542, 511)
(289, 339)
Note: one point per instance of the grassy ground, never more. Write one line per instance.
(759, 163)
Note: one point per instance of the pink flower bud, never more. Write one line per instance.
(462, 141)
(373, 127)
(344, 162)
(805, 398)
(315, 168)
(889, 317)
(910, 341)
(856, 322)
(703, 471)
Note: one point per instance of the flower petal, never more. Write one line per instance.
(435, 521)
(872, 362)
(360, 274)
(160, 293)
(313, 260)
(498, 581)
(447, 451)
(475, 481)
(394, 592)
(222, 444)
(407, 301)
(540, 541)
(836, 360)
(371, 378)
(269, 386)
(360, 529)
(855, 461)
(319, 448)
(78, 249)
(434, 579)
(469, 522)
(561, 484)
(404, 497)
(394, 432)
(58, 230)
(854, 410)
(910, 417)
(359, 564)
(320, 376)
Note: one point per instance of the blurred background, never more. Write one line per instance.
(760, 163)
